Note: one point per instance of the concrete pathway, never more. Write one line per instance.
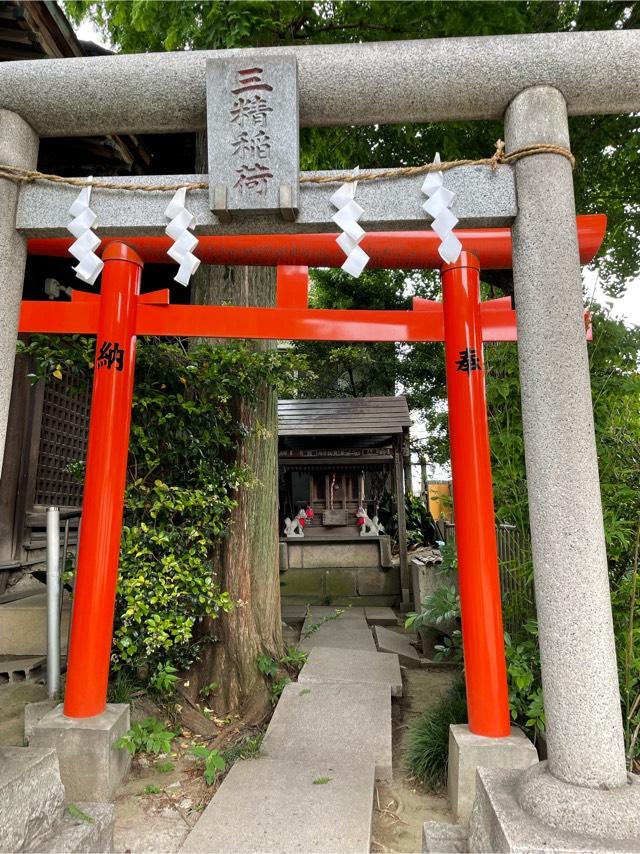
(330, 737)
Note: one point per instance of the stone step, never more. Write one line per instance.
(273, 806)
(390, 641)
(352, 665)
(23, 626)
(299, 613)
(332, 723)
(352, 633)
(31, 795)
(93, 834)
(380, 616)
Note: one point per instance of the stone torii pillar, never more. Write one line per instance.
(583, 791)
(18, 147)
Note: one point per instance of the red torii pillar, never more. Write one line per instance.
(120, 313)
(478, 573)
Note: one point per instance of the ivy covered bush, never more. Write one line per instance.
(180, 487)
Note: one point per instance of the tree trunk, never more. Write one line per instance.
(247, 561)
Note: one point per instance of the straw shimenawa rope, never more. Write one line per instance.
(499, 158)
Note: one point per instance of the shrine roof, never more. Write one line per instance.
(351, 416)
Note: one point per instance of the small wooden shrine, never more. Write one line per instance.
(338, 461)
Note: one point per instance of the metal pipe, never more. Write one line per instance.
(391, 82)
(53, 602)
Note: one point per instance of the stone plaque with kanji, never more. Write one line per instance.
(253, 135)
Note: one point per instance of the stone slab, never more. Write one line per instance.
(441, 838)
(352, 665)
(380, 616)
(252, 133)
(391, 82)
(483, 198)
(320, 612)
(23, 626)
(499, 824)
(272, 806)
(345, 555)
(390, 641)
(31, 795)
(75, 835)
(468, 752)
(91, 766)
(345, 634)
(333, 723)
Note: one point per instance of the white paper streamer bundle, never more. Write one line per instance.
(185, 242)
(444, 221)
(83, 248)
(349, 212)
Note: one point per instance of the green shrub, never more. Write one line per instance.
(182, 479)
(427, 750)
(148, 736)
(214, 763)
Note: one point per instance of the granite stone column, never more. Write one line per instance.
(579, 674)
(18, 147)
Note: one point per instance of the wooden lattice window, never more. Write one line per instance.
(63, 440)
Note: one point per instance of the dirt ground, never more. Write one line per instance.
(401, 808)
(156, 808)
(165, 795)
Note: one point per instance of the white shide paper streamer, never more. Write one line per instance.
(84, 246)
(349, 212)
(185, 242)
(444, 221)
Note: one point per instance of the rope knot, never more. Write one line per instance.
(498, 155)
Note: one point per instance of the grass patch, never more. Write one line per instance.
(246, 748)
(427, 751)
(321, 781)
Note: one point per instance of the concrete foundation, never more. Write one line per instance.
(468, 752)
(91, 766)
(500, 824)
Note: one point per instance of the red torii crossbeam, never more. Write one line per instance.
(120, 313)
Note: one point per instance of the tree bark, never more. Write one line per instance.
(246, 563)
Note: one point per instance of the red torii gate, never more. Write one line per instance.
(462, 321)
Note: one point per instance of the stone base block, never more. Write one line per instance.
(468, 752)
(499, 824)
(438, 838)
(33, 714)
(91, 766)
